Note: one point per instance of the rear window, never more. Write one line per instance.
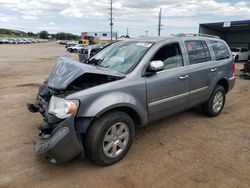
(244, 50)
(220, 50)
(198, 52)
(235, 49)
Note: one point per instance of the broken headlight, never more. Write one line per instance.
(62, 108)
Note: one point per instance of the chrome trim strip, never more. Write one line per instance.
(168, 99)
(232, 78)
(198, 90)
(176, 97)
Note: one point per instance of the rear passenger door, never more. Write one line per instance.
(200, 70)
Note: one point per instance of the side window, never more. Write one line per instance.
(198, 52)
(244, 50)
(220, 50)
(170, 55)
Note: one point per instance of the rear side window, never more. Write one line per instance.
(220, 50)
(198, 52)
(244, 50)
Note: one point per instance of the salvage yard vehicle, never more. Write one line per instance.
(76, 48)
(89, 51)
(94, 109)
(20, 40)
(71, 43)
(246, 71)
(240, 54)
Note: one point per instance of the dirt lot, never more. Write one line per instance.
(186, 150)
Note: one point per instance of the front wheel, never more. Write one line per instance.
(216, 102)
(109, 138)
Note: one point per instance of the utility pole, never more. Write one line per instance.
(146, 33)
(159, 25)
(111, 20)
(116, 35)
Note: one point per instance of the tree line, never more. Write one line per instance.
(58, 36)
(41, 34)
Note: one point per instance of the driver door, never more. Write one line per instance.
(168, 90)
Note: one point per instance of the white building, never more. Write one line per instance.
(101, 35)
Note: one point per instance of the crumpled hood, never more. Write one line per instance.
(67, 70)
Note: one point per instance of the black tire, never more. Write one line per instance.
(248, 58)
(94, 140)
(236, 58)
(74, 50)
(207, 107)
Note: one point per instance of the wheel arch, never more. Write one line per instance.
(224, 83)
(84, 123)
(133, 113)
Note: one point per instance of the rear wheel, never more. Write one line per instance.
(109, 138)
(215, 104)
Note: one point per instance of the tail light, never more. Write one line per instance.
(233, 69)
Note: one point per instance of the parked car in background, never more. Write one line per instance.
(4, 41)
(76, 48)
(21, 40)
(89, 51)
(63, 42)
(71, 43)
(95, 108)
(240, 54)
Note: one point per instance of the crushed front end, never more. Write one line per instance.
(58, 141)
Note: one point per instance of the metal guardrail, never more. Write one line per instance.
(195, 35)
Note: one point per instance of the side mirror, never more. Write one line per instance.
(156, 66)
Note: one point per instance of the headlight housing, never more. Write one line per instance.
(62, 108)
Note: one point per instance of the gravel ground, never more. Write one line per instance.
(185, 150)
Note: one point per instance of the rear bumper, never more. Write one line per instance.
(62, 145)
(232, 81)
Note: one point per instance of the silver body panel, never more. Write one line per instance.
(161, 94)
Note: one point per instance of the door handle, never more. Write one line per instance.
(213, 69)
(183, 77)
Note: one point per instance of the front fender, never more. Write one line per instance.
(109, 101)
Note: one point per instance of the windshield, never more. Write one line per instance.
(235, 49)
(122, 57)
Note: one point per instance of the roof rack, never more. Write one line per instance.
(195, 35)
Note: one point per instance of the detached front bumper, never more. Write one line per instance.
(62, 145)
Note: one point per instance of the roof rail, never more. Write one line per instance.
(195, 35)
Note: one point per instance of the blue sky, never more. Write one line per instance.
(76, 16)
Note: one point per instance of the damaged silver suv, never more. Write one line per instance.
(93, 108)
